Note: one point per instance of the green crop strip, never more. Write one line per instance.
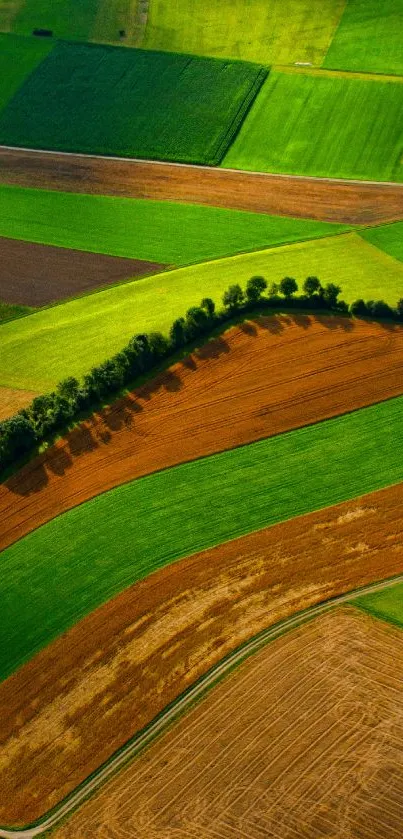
(159, 231)
(68, 339)
(110, 100)
(322, 125)
(386, 604)
(369, 37)
(63, 570)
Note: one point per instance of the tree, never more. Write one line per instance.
(330, 295)
(399, 308)
(255, 288)
(197, 321)
(288, 287)
(68, 388)
(359, 308)
(380, 309)
(158, 345)
(233, 297)
(178, 333)
(17, 437)
(311, 286)
(208, 304)
(273, 290)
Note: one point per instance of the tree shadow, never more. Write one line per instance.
(100, 427)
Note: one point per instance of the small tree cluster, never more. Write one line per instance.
(377, 309)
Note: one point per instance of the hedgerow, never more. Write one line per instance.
(51, 413)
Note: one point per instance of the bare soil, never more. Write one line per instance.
(350, 202)
(69, 708)
(304, 740)
(259, 379)
(12, 400)
(34, 275)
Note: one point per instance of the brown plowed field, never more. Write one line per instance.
(342, 201)
(304, 740)
(34, 275)
(12, 400)
(68, 709)
(257, 380)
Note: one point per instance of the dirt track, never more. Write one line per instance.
(34, 275)
(304, 740)
(341, 201)
(255, 381)
(83, 696)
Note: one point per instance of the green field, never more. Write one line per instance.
(386, 604)
(66, 18)
(388, 237)
(323, 125)
(110, 100)
(159, 231)
(85, 556)
(68, 339)
(281, 31)
(369, 37)
(18, 58)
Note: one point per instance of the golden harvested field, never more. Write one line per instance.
(82, 697)
(327, 200)
(259, 379)
(303, 740)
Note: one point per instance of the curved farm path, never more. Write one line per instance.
(304, 739)
(350, 202)
(257, 380)
(81, 698)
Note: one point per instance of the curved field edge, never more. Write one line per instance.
(339, 201)
(315, 368)
(313, 691)
(177, 708)
(160, 518)
(41, 349)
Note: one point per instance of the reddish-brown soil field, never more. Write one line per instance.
(34, 275)
(304, 740)
(12, 400)
(257, 380)
(69, 708)
(329, 200)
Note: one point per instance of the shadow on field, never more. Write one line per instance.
(99, 429)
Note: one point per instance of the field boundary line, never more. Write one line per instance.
(199, 166)
(179, 706)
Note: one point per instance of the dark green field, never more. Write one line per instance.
(113, 101)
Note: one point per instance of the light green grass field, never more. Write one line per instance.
(135, 103)
(330, 126)
(281, 31)
(369, 37)
(68, 339)
(159, 231)
(388, 237)
(386, 604)
(85, 556)
(18, 58)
